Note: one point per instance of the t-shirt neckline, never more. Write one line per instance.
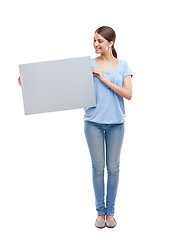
(105, 70)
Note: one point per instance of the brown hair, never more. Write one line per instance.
(109, 34)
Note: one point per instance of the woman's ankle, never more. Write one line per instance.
(109, 217)
(101, 217)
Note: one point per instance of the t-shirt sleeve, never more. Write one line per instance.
(127, 71)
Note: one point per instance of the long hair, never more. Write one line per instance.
(109, 34)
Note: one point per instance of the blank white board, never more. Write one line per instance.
(57, 85)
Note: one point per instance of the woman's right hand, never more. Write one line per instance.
(19, 81)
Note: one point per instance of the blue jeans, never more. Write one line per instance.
(112, 134)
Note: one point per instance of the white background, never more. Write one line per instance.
(46, 187)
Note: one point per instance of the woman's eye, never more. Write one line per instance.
(99, 41)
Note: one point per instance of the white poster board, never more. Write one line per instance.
(57, 85)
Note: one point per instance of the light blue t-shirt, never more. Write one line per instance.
(109, 105)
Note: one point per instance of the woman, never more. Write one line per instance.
(105, 122)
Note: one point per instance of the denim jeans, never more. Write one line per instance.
(97, 136)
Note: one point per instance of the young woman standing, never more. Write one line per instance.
(104, 124)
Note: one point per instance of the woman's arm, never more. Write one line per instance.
(125, 92)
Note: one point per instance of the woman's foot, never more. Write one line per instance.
(100, 221)
(110, 221)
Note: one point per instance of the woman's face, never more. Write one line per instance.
(100, 44)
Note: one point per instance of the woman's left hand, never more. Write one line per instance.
(98, 73)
